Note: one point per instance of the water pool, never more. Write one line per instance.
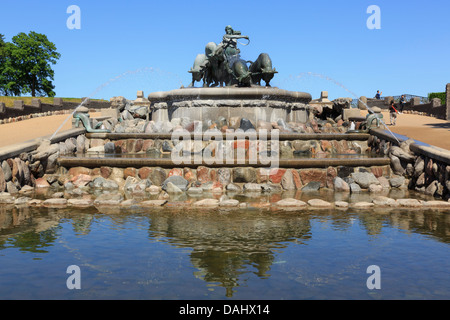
(223, 254)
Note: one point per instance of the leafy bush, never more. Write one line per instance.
(440, 95)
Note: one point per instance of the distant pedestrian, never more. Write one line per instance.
(402, 103)
(393, 113)
(378, 95)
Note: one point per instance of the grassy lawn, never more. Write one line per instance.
(9, 101)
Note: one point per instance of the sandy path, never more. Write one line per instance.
(21, 131)
(430, 130)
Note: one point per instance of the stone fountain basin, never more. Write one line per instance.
(133, 151)
(254, 103)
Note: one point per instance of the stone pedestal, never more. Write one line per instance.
(36, 103)
(350, 113)
(435, 102)
(388, 100)
(110, 112)
(58, 102)
(323, 102)
(254, 104)
(85, 101)
(18, 104)
(447, 90)
(141, 100)
(362, 103)
(415, 101)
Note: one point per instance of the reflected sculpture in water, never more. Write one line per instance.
(226, 247)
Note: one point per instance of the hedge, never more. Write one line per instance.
(440, 95)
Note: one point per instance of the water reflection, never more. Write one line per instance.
(224, 247)
(19, 228)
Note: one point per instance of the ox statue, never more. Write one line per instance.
(240, 73)
(199, 69)
(261, 69)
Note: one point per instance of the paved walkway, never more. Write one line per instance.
(423, 128)
(21, 131)
(430, 130)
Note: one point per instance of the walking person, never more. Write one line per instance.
(402, 103)
(393, 113)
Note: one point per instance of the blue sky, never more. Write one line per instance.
(126, 46)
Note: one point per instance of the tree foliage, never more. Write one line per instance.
(2, 64)
(26, 65)
(440, 95)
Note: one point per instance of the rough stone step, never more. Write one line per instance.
(123, 162)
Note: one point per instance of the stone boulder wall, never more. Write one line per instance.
(13, 175)
(129, 122)
(426, 169)
(287, 149)
(29, 168)
(110, 186)
(39, 168)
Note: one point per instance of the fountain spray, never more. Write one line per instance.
(301, 75)
(127, 73)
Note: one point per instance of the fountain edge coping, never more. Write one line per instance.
(31, 145)
(228, 93)
(417, 147)
(255, 135)
(124, 162)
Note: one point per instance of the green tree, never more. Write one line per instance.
(440, 95)
(27, 67)
(2, 63)
(8, 75)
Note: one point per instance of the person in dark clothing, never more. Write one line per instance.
(378, 95)
(402, 103)
(393, 113)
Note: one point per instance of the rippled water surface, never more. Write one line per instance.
(217, 254)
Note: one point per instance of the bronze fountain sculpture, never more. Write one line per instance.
(221, 65)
